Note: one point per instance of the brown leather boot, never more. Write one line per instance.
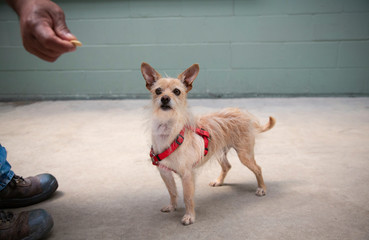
(21, 192)
(30, 225)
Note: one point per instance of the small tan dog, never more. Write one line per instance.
(178, 145)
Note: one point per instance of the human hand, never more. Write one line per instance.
(43, 28)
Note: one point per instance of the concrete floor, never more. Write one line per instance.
(315, 164)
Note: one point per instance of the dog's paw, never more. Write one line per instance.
(188, 219)
(260, 192)
(215, 184)
(167, 209)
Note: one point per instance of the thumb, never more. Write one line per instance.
(61, 29)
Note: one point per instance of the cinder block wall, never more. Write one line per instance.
(244, 48)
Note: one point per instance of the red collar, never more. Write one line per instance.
(176, 143)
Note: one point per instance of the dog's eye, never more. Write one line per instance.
(177, 91)
(158, 91)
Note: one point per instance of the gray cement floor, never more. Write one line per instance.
(315, 164)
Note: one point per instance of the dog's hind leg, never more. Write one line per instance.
(226, 166)
(168, 179)
(247, 158)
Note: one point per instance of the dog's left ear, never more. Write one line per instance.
(150, 75)
(189, 75)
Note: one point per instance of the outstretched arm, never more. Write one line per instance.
(43, 28)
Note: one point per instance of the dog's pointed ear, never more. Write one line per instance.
(189, 75)
(149, 74)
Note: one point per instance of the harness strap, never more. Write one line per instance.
(205, 135)
(175, 144)
(156, 158)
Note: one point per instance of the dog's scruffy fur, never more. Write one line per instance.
(228, 128)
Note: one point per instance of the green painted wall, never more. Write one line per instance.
(244, 48)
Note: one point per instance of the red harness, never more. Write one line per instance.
(175, 144)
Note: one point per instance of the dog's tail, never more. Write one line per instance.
(267, 126)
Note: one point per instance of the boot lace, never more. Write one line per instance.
(18, 179)
(6, 216)
(15, 180)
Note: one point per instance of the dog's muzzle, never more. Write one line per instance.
(165, 103)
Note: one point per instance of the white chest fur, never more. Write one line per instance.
(163, 133)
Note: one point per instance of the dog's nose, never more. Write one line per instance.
(165, 99)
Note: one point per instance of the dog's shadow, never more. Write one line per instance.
(228, 192)
(222, 202)
(231, 197)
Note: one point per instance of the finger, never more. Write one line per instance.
(64, 33)
(47, 37)
(60, 26)
(46, 58)
(37, 52)
(34, 46)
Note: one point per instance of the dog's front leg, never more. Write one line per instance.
(188, 194)
(168, 179)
